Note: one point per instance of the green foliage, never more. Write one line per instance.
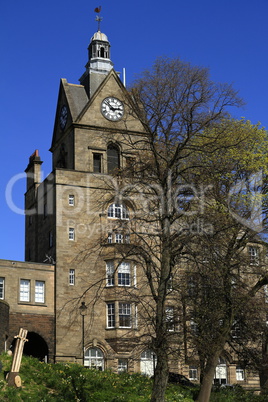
(43, 382)
(71, 382)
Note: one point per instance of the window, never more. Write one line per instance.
(253, 255)
(119, 238)
(97, 163)
(94, 359)
(113, 158)
(125, 315)
(71, 277)
(122, 365)
(123, 277)
(118, 211)
(71, 200)
(124, 274)
(2, 288)
(240, 373)
(110, 315)
(193, 373)
(194, 327)
(220, 376)
(170, 318)
(39, 292)
(110, 273)
(50, 238)
(148, 362)
(71, 233)
(25, 290)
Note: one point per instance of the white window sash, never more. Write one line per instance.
(109, 273)
(39, 291)
(71, 277)
(24, 290)
(71, 200)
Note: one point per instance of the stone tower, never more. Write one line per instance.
(75, 220)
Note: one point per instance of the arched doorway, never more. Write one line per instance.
(36, 346)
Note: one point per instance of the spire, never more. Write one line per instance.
(99, 63)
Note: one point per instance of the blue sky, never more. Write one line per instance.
(42, 42)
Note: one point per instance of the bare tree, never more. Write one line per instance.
(179, 102)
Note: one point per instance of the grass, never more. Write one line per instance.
(59, 382)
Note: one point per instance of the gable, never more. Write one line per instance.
(92, 114)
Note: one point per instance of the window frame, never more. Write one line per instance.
(118, 211)
(239, 372)
(110, 273)
(254, 255)
(170, 318)
(100, 163)
(113, 158)
(37, 293)
(110, 307)
(71, 200)
(124, 274)
(25, 290)
(193, 369)
(96, 362)
(122, 365)
(2, 288)
(71, 276)
(71, 234)
(124, 315)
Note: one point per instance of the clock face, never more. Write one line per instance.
(63, 117)
(112, 108)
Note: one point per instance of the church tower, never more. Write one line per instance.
(76, 220)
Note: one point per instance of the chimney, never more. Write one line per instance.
(33, 170)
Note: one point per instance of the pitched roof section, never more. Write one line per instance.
(75, 98)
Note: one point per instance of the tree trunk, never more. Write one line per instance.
(161, 343)
(263, 374)
(160, 377)
(208, 376)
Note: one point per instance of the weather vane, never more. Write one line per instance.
(98, 18)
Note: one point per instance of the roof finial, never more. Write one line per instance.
(98, 18)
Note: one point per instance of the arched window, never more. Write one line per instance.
(94, 359)
(113, 158)
(118, 211)
(220, 376)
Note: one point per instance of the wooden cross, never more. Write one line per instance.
(13, 377)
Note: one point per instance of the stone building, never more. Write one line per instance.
(76, 226)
